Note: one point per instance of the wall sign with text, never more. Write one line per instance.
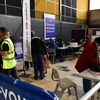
(49, 26)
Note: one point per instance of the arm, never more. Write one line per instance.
(3, 53)
(90, 54)
(56, 45)
(44, 47)
(5, 49)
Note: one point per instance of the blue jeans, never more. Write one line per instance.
(87, 84)
(38, 65)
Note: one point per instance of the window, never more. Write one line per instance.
(69, 10)
(32, 13)
(32, 4)
(14, 7)
(74, 3)
(63, 10)
(14, 11)
(32, 7)
(63, 1)
(2, 2)
(16, 3)
(2, 9)
(73, 13)
(67, 2)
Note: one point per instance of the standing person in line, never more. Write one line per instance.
(38, 51)
(90, 58)
(8, 54)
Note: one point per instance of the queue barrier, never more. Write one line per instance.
(14, 89)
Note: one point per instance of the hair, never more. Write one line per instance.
(3, 30)
(32, 33)
(97, 40)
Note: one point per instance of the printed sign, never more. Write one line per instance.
(18, 50)
(49, 26)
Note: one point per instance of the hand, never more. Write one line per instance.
(47, 55)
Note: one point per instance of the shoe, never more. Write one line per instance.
(41, 78)
(45, 75)
(45, 71)
(27, 68)
(36, 78)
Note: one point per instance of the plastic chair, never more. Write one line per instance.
(63, 83)
(80, 50)
(52, 54)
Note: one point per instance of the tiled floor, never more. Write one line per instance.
(47, 82)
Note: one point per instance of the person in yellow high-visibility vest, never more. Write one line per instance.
(8, 54)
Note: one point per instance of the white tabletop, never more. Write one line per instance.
(64, 47)
(88, 74)
(75, 46)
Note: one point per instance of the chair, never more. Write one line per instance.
(63, 83)
(52, 54)
(80, 50)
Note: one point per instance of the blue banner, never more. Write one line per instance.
(49, 26)
(13, 89)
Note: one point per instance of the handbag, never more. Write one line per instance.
(46, 62)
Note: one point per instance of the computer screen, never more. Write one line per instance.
(77, 35)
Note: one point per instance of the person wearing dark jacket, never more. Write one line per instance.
(38, 51)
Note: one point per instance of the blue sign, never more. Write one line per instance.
(50, 28)
(13, 89)
(18, 50)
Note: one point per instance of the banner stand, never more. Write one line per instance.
(26, 33)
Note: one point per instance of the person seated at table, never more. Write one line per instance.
(90, 58)
(59, 42)
(52, 46)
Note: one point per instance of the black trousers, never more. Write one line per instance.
(0, 69)
(11, 72)
(38, 65)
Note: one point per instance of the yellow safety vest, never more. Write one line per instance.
(9, 60)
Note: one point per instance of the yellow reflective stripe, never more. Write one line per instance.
(10, 52)
(8, 58)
